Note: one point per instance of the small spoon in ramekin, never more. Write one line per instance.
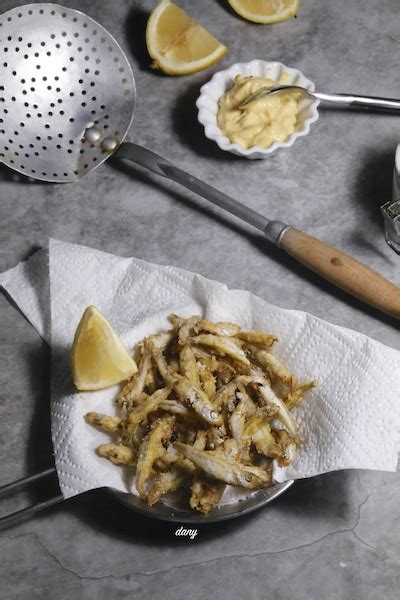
(342, 100)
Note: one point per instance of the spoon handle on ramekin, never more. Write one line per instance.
(373, 103)
(344, 271)
(360, 102)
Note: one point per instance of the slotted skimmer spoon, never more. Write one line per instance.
(67, 95)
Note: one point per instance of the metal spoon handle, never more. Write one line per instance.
(342, 100)
(355, 101)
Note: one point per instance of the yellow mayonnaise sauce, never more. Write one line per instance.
(261, 122)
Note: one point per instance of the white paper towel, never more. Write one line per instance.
(351, 420)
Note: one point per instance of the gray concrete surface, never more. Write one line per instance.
(334, 537)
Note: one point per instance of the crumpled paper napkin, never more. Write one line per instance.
(351, 420)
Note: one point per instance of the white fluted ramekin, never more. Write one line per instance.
(210, 93)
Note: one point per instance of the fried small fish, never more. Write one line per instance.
(205, 493)
(224, 345)
(269, 397)
(152, 447)
(296, 395)
(258, 432)
(165, 483)
(134, 387)
(206, 358)
(198, 400)
(273, 365)
(155, 347)
(237, 421)
(147, 406)
(285, 448)
(216, 436)
(117, 454)
(207, 381)
(169, 481)
(184, 327)
(188, 365)
(221, 328)
(209, 407)
(218, 467)
(106, 423)
(257, 337)
(229, 390)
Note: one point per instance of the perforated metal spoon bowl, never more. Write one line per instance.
(67, 92)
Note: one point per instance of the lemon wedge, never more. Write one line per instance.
(99, 358)
(265, 11)
(178, 44)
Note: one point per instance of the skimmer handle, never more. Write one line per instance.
(342, 270)
(335, 266)
(26, 513)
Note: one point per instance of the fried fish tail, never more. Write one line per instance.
(126, 398)
(205, 494)
(184, 327)
(257, 337)
(285, 448)
(207, 381)
(149, 405)
(164, 483)
(297, 394)
(258, 433)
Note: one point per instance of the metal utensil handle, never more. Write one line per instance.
(216, 197)
(161, 166)
(344, 271)
(355, 101)
(25, 513)
(14, 486)
(340, 269)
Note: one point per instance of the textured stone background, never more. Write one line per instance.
(332, 537)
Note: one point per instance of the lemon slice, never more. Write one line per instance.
(265, 11)
(177, 43)
(99, 358)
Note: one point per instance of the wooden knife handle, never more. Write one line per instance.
(344, 271)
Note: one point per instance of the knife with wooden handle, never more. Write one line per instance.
(340, 269)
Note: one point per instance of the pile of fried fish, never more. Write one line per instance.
(209, 406)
